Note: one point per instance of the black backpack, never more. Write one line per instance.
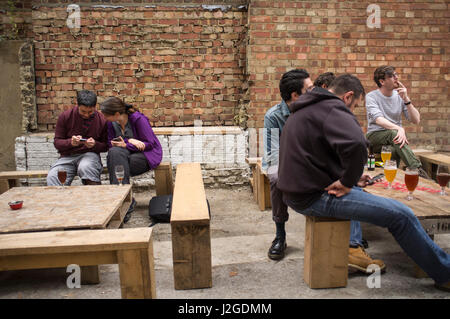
(160, 208)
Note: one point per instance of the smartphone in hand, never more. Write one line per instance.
(83, 139)
(373, 179)
(116, 139)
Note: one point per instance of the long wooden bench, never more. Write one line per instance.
(131, 249)
(163, 178)
(260, 183)
(431, 160)
(191, 236)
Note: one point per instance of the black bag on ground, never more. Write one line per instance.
(160, 208)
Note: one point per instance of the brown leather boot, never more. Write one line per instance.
(358, 259)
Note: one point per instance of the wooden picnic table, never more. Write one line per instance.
(50, 208)
(432, 209)
(54, 208)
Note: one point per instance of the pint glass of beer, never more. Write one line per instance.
(411, 181)
(390, 170)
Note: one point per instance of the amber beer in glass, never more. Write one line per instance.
(62, 176)
(386, 153)
(411, 181)
(390, 170)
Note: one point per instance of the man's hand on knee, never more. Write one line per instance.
(400, 138)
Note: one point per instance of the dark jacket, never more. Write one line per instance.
(321, 142)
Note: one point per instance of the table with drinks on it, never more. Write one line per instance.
(429, 199)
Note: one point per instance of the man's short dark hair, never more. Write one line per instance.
(292, 81)
(324, 79)
(346, 83)
(86, 98)
(381, 73)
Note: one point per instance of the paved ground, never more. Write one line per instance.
(241, 236)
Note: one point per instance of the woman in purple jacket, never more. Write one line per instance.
(131, 142)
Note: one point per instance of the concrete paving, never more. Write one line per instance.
(240, 237)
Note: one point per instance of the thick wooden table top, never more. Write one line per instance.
(53, 208)
(427, 202)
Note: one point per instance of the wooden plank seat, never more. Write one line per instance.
(163, 178)
(191, 236)
(260, 183)
(131, 249)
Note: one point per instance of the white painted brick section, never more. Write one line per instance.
(222, 156)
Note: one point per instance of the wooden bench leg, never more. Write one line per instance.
(326, 252)
(4, 185)
(137, 274)
(191, 248)
(90, 275)
(163, 180)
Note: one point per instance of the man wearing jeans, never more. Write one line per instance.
(385, 107)
(80, 137)
(292, 85)
(321, 166)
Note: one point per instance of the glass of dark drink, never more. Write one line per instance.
(443, 177)
(62, 176)
(411, 181)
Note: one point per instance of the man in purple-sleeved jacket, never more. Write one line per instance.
(80, 137)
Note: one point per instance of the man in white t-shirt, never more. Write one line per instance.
(385, 107)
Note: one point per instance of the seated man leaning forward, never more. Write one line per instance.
(322, 155)
(385, 107)
(80, 137)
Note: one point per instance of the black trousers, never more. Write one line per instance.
(133, 163)
(279, 208)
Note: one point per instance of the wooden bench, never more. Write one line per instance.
(191, 237)
(431, 160)
(131, 249)
(260, 183)
(326, 252)
(163, 178)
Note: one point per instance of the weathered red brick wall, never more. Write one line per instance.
(186, 61)
(177, 63)
(333, 36)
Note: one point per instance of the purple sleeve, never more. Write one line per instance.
(111, 134)
(145, 134)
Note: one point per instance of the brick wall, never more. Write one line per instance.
(177, 63)
(186, 61)
(333, 36)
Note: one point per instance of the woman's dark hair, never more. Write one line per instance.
(113, 104)
(292, 81)
(346, 83)
(324, 79)
(86, 98)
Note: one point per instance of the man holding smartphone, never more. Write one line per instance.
(80, 137)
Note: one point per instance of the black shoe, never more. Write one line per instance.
(276, 251)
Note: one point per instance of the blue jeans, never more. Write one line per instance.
(398, 218)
